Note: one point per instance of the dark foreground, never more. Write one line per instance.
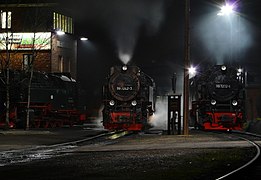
(141, 163)
(152, 164)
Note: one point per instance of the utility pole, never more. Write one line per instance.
(186, 67)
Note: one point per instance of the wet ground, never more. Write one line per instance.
(141, 156)
(18, 138)
(254, 127)
(145, 164)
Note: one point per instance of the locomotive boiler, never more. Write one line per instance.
(128, 99)
(218, 98)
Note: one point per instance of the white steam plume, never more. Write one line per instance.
(159, 119)
(98, 121)
(130, 17)
(225, 38)
(125, 58)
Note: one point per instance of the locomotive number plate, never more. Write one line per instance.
(222, 86)
(126, 88)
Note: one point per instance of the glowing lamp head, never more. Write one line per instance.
(226, 10)
(192, 70)
(84, 39)
(60, 33)
(239, 70)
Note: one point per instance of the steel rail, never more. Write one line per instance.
(249, 162)
(48, 151)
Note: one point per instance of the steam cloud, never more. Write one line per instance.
(98, 121)
(159, 119)
(123, 20)
(226, 38)
(125, 58)
(131, 17)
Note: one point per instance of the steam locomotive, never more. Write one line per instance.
(218, 98)
(128, 98)
(54, 100)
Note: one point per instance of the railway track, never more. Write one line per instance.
(251, 169)
(49, 151)
(169, 154)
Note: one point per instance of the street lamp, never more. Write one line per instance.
(192, 71)
(226, 10)
(186, 72)
(84, 39)
(59, 32)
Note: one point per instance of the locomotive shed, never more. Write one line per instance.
(201, 155)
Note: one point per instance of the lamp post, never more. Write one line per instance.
(186, 70)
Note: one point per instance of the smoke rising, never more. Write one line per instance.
(98, 121)
(122, 20)
(125, 58)
(159, 119)
(130, 17)
(225, 38)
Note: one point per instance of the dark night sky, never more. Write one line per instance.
(152, 32)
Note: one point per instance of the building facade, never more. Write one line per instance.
(29, 38)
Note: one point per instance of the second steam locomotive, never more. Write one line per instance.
(129, 99)
(54, 100)
(218, 98)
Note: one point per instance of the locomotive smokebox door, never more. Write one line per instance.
(174, 114)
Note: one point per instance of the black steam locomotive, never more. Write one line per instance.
(218, 98)
(128, 98)
(54, 99)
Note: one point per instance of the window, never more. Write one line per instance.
(6, 18)
(27, 60)
(61, 64)
(69, 67)
(63, 23)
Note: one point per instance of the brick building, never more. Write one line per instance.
(28, 33)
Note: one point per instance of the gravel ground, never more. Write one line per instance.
(167, 160)
(146, 164)
(254, 127)
(19, 139)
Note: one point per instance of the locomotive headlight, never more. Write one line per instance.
(223, 68)
(213, 102)
(234, 102)
(112, 103)
(239, 70)
(134, 103)
(124, 68)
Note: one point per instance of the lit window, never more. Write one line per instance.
(61, 63)
(6, 17)
(27, 59)
(62, 23)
